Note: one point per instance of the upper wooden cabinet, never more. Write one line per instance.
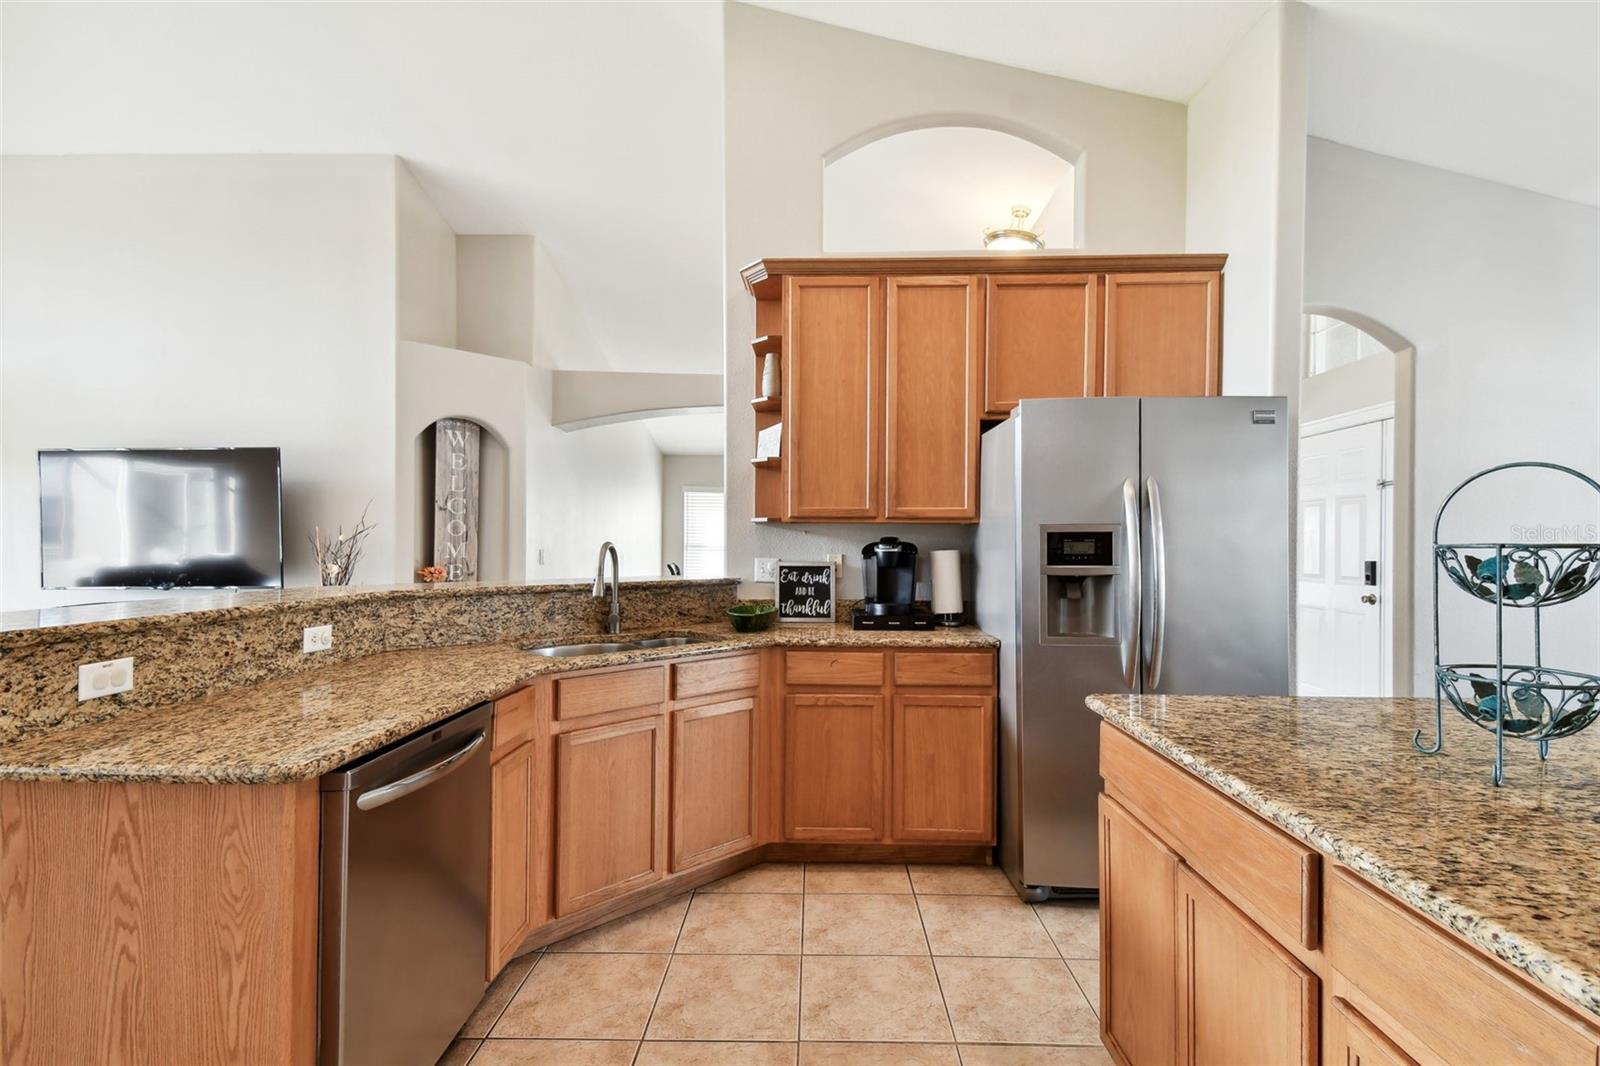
(1163, 334)
(931, 398)
(1041, 339)
(890, 364)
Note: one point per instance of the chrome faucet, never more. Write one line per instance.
(614, 618)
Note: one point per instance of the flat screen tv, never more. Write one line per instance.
(167, 518)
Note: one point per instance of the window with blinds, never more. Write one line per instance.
(703, 534)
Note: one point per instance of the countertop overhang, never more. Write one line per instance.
(1513, 869)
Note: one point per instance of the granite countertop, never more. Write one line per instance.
(1514, 869)
(304, 725)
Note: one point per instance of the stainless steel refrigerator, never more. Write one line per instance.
(1126, 545)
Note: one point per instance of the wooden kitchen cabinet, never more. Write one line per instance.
(512, 804)
(713, 781)
(933, 362)
(832, 382)
(1163, 334)
(1354, 1041)
(942, 780)
(1138, 946)
(611, 811)
(833, 766)
(1241, 997)
(1041, 338)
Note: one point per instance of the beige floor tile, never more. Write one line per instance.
(863, 924)
(736, 923)
(555, 1053)
(1015, 1001)
(765, 877)
(585, 997)
(1087, 971)
(856, 877)
(706, 1053)
(824, 1053)
(1033, 1055)
(871, 997)
(984, 925)
(729, 997)
(1074, 925)
(459, 1053)
(951, 880)
(652, 930)
(494, 1001)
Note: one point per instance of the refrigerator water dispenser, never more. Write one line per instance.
(1079, 591)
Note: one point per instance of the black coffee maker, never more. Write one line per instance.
(889, 577)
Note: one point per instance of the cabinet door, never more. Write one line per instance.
(832, 379)
(1138, 945)
(713, 781)
(1354, 1041)
(1241, 997)
(833, 767)
(511, 813)
(1040, 340)
(1163, 334)
(942, 778)
(931, 399)
(611, 811)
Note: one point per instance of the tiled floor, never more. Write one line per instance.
(815, 965)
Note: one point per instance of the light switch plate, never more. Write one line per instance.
(766, 570)
(104, 679)
(317, 638)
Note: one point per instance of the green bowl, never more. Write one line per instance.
(752, 617)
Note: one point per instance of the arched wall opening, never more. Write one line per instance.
(936, 183)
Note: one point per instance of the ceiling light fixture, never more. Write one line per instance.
(1014, 237)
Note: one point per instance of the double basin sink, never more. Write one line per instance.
(562, 651)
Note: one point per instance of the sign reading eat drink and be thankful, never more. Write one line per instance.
(455, 498)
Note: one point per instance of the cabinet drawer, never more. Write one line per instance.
(513, 721)
(974, 668)
(1265, 873)
(703, 677)
(1462, 1005)
(583, 695)
(833, 667)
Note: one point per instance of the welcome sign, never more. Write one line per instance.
(455, 498)
(804, 592)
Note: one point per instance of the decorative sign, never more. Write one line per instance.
(804, 592)
(455, 498)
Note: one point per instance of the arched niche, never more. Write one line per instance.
(494, 517)
(936, 183)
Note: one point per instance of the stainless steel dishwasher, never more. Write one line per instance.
(405, 885)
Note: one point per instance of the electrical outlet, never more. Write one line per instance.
(317, 638)
(766, 570)
(104, 679)
(837, 559)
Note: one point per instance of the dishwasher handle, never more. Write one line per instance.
(377, 797)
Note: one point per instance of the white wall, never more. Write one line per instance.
(494, 296)
(1245, 197)
(679, 472)
(796, 91)
(588, 485)
(1497, 289)
(1363, 383)
(196, 301)
(425, 265)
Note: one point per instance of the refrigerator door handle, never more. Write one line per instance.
(1135, 590)
(1158, 586)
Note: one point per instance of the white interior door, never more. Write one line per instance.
(1340, 635)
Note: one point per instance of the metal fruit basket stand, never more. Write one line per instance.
(1526, 701)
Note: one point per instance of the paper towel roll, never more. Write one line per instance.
(947, 583)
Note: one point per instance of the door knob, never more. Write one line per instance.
(1369, 598)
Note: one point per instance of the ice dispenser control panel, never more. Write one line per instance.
(1078, 601)
(1078, 547)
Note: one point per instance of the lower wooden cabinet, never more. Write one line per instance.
(1354, 1041)
(942, 780)
(1241, 997)
(713, 781)
(833, 766)
(511, 878)
(1138, 941)
(611, 811)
